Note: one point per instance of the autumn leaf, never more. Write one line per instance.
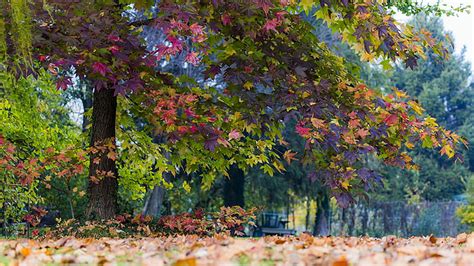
(345, 184)
(186, 186)
(399, 93)
(25, 251)
(391, 119)
(186, 262)
(353, 123)
(302, 131)
(96, 160)
(317, 123)
(248, 85)
(409, 145)
(234, 134)
(362, 133)
(448, 150)
(289, 156)
(112, 155)
(416, 107)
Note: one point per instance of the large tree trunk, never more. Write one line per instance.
(234, 187)
(103, 193)
(321, 223)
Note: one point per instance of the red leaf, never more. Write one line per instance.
(271, 25)
(302, 131)
(391, 120)
(226, 19)
(100, 68)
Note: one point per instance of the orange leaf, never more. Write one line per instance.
(289, 156)
(112, 155)
(25, 252)
(186, 262)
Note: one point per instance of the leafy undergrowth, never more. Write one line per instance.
(228, 221)
(224, 250)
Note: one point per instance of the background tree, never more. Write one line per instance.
(442, 88)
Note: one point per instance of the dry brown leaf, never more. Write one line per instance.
(186, 262)
(342, 261)
(461, 238)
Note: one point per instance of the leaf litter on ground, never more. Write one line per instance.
(223, 250)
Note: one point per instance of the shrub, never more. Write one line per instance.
(229, 220)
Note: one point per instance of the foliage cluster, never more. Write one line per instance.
(466, 213)
(228, 221)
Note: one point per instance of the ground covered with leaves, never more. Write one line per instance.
(223, 250)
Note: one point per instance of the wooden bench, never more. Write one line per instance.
(277, 231)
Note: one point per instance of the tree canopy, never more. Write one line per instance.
(261, 67)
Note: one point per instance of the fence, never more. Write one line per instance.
(397, 218)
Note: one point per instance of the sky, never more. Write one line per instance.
(462, 26)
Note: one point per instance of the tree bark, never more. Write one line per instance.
(234, 187)
(321, 223)
(103, 193)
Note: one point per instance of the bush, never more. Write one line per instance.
(466, 212)
(229, 220)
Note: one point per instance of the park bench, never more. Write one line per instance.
(273, 224)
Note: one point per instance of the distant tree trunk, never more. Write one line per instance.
(308, 213)
(321, 223)
(234, 187)
(365, 219)
(403, 221)
(154, 202)
(102, 194)
(386, 220)
(352, 220)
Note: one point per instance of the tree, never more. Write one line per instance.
(34, 128)
(273, 69)
(441, 87)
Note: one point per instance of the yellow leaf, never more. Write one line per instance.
(448, 150)
(409, 145)
(186, 186)
(248, 85)
(367, 57)
(399, 93)
(416, 107)
(229, 50)
(307, 5)
(430, 121)
(345, 184)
